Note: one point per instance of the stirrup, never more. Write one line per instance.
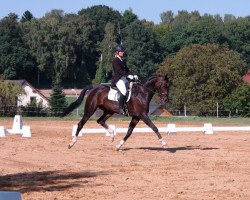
(123, 112)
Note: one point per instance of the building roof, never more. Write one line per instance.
(159, 110)
(67, 92)
(246, 77)
(22, 82)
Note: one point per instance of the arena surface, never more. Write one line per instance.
(194, 166)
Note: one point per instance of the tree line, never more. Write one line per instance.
(204, 56)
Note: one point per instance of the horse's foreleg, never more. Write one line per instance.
(132, 125)
(102, 122)
(79, 128)
(147, 121)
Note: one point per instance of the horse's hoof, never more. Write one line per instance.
(71, 145)
(112, 139)
(117, 148)
(165, 146)
(163, 143)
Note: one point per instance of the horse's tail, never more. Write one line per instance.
(76, 103)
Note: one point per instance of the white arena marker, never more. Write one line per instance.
(17, 123)
(171, 129)
(18, 128)
(2, 131)
(208, 129)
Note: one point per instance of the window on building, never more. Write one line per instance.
(32, 99)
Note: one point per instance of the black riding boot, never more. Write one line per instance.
(122, 110)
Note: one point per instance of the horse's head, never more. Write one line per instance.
(162, 86)
(159, 84)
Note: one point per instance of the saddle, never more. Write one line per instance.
(114, 93)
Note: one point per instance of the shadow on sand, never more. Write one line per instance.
(172, 149)
(47, 180)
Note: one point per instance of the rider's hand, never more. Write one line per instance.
(130, 77)
(135, 77)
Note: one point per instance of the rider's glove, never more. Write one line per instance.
(135, 77)
(130, 77)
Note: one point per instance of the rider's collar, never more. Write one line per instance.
(119, 57)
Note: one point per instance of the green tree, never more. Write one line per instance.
(202, 31)
(8, 97)
(192, 29)
(237, 32)
(16, 61)
(106, 49)
(141, 47)
(62, 46)
(238, 102)
(27, 16)
(202, 75)
(101, 15)
(167, 17)
(183, 18)
(128, 17)
(57, 100)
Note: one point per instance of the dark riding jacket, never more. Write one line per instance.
(119, 69)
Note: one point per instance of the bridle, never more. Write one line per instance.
(161, 95)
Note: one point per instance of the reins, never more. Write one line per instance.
(139, 83)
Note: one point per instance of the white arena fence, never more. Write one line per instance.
(38, 111)
(208, 128)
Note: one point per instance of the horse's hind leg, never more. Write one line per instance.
(102, 122)
(79, 128)
(132, 125)
(147, 121)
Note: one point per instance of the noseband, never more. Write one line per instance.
(161, 95)
(158, 91)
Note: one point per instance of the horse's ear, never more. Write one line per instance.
(168, 79)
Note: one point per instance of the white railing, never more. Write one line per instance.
(169, 129)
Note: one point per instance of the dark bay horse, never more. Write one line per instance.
(138, 106)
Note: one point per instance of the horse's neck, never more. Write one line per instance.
(150, 86)
(150, 89)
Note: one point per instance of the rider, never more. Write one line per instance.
(121, 76)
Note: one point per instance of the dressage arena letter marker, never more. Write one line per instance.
(208, 129)
(17, 123)
(18, 128)
(171, 129)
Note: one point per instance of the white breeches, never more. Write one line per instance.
(121, 85)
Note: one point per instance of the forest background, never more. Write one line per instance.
(204, 56)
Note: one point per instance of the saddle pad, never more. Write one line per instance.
(113, 95)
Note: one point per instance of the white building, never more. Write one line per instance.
(30, 94)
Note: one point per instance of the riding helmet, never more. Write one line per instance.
(119, 48)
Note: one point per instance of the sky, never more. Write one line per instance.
(144, 9)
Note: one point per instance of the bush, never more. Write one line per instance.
(34, 109)
(239, 101)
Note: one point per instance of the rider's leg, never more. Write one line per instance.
(122, 99)
(121, 85)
